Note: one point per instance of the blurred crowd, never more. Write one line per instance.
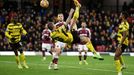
(103, 26)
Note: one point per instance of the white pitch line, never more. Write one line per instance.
(99, 69)
(71, 67)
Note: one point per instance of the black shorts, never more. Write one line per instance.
(76, 38)
(123, 47)
(15, 46)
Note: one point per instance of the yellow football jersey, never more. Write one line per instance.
(124, 26)
(15, 31)
(61, 34)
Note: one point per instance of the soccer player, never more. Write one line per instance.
(13, 33)
(122, 44)
(59, 46)
(46, 41)
(60, 19)
(83, 31)
(71, 37)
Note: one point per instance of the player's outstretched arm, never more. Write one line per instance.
(70, 16)
(7, 33)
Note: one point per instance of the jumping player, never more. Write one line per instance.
(71, 37)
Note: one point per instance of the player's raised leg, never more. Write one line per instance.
(90, 47)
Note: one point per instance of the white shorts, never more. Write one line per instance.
(59, 44)
(82, 48)
(46, 46)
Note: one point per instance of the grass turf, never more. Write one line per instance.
(68, 65)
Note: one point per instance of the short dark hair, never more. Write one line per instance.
(50, 25)
(125, 14)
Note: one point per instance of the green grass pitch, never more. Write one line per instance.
(68, 65)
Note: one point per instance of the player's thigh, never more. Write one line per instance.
(43, 46)
(85, 48)
(49, 46)
(57, 50)
(80, 48)
(15, 46)
(84, 39)
(59, 44)
(46, 46)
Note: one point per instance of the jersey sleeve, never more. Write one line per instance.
(7, 33)
(23, 30)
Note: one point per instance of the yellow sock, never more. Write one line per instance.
(118, 65)
(17, 60)
(22, 58)
(90, 47)
(121, 60)
(76, 13)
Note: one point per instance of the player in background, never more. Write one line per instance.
(60, 22)
(83, 31)
(46, 41)
(13, 33)
(122, 44)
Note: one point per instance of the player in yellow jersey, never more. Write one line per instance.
(13, 33)
(122, 38)
(71, 36)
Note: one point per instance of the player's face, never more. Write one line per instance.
(15, 19)
(83, 25)
(60, 17)
(51, 26)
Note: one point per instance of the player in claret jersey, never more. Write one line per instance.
(83, 31)
(46, 41)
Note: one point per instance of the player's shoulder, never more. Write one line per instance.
(48, 30)
(124, 25)
(10, 24)
(19, 23)
(60, 23)
(88, 29)
(79, 29)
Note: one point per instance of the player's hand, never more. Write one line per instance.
(24, 37)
